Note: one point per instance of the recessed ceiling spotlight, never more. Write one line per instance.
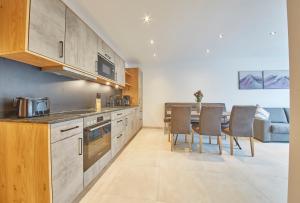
(154, 54)
(272, 33)
(117, 86)
(207, 51)
(151, 41)
(221, 36)
(147, 19)
(107, 83)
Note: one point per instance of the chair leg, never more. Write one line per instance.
(209, 139)
(185, 138)
(176, 139)
(231, 145)
(200, 143)
(169, 133)
(191, 141)
(218, 141)
(172, 142)
(193, 134)
(220, 144)
(252, 146)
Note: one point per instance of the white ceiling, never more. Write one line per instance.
(184, 29)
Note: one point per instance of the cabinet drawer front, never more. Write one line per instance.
(118, 126)
(118, 114)
(117, 144)
(66, 129)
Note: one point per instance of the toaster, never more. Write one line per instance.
(32, 107)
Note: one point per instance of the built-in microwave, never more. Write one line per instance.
(105, 67)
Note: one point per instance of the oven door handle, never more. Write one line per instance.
(95, 128)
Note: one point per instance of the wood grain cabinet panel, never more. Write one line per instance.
(81, 44)
(67, 169)
(47, 28)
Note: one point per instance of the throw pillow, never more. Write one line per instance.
(262, 114)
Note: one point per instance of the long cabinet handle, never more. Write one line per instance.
(119, 121)
(119, 136)
(66, 130)
(96, 67)
(80, 142)
(61, 49)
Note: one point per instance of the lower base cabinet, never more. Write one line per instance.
(67, 169)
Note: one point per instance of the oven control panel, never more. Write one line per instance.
(92, 120)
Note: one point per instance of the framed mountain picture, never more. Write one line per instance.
(250, 80)
(276, 79)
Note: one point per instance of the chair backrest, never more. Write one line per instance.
(215, 104)
(241, 121)
(181, 120)
(210, 120)
(168, 107)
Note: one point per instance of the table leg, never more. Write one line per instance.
(237, 143)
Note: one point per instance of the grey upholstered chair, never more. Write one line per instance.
(168, 112)
(241, 125)
(210, 124)
(225, 121)
(180, 123)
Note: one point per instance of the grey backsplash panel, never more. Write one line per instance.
(18, 79)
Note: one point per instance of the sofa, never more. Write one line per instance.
(276, 129)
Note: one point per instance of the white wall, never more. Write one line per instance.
(216, 77)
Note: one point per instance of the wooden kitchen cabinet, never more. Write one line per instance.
(108, 52)
(47, 28)
(18, 33)
(81, 44)
(47, 34)
(67, 168)
(100, 46)
(120, 70)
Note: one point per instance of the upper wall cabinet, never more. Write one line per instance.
(108, 52)
(31, 31)
(47, 28)
(47, 34)
(120, 70)
(81, 44)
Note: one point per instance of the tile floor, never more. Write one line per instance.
(148, 172)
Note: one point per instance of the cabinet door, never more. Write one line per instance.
(81, 44)
(67, 169)
(100, 46)
(47, 28)
(122, 72)
(108, 52)
(117, 67)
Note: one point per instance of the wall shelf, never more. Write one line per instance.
(128, 74)
(128, 85)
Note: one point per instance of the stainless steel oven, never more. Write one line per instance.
(96, 138)
(106, 68)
